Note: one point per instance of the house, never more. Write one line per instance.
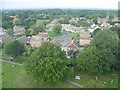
(68, 27)
(37, 40)
(18, 30)
(5, 38)
(85, 38)
(2, 31)
(74, 20)
(74, 45)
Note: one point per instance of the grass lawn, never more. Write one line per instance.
(20, 35)
(77, 33)
(52, 34)
(42, 20)
(89, 81)
(16, 77)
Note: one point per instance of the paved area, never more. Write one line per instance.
(74, 83)
(65, 37)
(10, 62)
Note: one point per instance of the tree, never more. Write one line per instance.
(101, 55)
(10, 32)
(57, 28)
(16, 21)
(48, 64)
(14, 48)
(39, 27)
(66, 20)
(95, 32)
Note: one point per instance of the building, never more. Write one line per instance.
(85, 38)
(74, 45)
(24, 39)
(5, 38)
(71, 28)
(2, 31)
(18, 30)
(37, 40)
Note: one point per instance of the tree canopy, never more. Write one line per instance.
(14, 48)
(48, 64)
(39, 27)
(101, 55)
(57, 28)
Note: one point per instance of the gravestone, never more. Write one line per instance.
(77, 77)
(12, 65)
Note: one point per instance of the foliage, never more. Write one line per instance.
(6, 21)
(10, 32)
(101, 55)
(39, 27)
(29, 32)
(17, 21)
(72, 53)
(66, 20)
(48, 64)
(95, 32)
(57, 28)
(14, 48)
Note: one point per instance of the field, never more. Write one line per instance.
(43, 20)
(16, 77)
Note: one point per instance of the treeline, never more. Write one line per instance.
(29, 17)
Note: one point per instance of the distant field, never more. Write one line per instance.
(43, 20)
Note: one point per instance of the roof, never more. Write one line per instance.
(44, 34)
(23, 39)
(18, 29)
(66, 43)
(85, 35)
(5, 37)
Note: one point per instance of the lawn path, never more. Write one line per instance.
(10, 62)
(74, 83)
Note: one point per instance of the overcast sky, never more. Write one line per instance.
(96, 4)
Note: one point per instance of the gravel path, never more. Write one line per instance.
(10, 62)
(74, 83)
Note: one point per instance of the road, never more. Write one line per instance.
(65, 37)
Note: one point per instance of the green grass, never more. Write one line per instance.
(42, 20)
(52, 34)
(89, 81)
(16, 77)
(20, 35)
(77, 33)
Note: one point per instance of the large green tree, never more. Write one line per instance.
(14, 48)
(101, 55)
(48, 64)
(16, 21)
(10, 32)
(57, 28)
(39, 27)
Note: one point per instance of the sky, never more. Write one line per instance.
(87, 4)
